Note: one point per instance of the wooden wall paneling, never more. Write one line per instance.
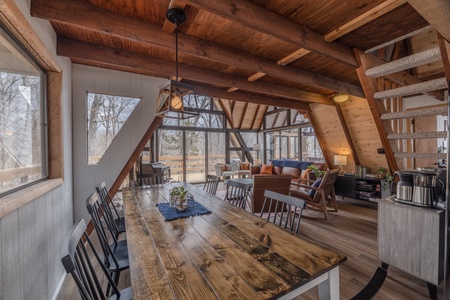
(369, 87)
(363, 131)
(425, 124)
(327, 126)
(255, 117)
(243, 113)
(10, 256)
(347, 134)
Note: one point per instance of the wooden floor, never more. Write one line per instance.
(352, 231)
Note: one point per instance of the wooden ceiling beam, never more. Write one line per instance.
(351, 25)
(254, 16)
(169, 26)
(144, 64)
(403, 78)
(102, 22)
(250, 98)
(436, 12)
(112, 63)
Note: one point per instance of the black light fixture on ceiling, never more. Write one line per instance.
(174, 96)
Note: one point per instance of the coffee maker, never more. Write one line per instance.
(421, 187)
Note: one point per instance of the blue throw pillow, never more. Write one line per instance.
(315, 184)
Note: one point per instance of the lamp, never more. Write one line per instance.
(340, 98)
(174, 95)
(340, 160)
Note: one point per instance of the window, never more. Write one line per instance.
(310, 146)
(23, 134)
(106, 115)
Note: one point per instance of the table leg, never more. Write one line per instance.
(329, 289)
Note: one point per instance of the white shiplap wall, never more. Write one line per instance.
(31, 236)
(97, 80)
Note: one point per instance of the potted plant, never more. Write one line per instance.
(316, 171)
(179, 198)
(382, 172)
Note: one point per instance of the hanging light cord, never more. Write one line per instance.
(176, 49)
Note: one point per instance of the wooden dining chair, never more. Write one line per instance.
(318, 194)
(117, 222)
(211, 184)
(115, 253)
(282, 210)
(77, 255)
(237, 193)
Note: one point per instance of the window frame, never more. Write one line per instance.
(16, 23)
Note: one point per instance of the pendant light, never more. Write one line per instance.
(174, 96)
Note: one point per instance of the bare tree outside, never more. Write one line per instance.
(106, 115)
(20, 130)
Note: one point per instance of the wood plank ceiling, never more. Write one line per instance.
(281, 52)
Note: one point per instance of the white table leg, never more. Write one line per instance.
(329, 289)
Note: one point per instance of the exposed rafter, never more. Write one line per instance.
(342, 30)
(255, 16)
(104, 23)
(151, 66)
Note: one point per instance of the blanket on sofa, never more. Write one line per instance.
(291, 163)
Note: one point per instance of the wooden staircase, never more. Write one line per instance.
(385, 85)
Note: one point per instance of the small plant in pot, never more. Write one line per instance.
(179, 198)
(382, 172)
(316, 171)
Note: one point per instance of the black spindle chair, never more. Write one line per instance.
(283, 210)
(237, 193)
(115, 255)
(211, 184)
(77, 259)
(116, 222)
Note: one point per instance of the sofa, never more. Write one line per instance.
(296, 169)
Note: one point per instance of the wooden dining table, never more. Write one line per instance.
(226, 254)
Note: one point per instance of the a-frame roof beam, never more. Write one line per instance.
(147, 65)
(128, 29)
(255, 16)
(204, 90)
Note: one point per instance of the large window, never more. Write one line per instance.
(106, 115)
(23, 134)
(192, 146)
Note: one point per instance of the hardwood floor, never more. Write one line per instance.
(352, 231)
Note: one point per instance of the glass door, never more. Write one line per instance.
(171, 151)
(195, 156)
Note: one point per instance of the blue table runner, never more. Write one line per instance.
(170, 213)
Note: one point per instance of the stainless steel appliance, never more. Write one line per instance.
(421, 187)
(404, 187)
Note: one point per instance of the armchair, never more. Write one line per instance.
(241, 169)
(318, 194)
